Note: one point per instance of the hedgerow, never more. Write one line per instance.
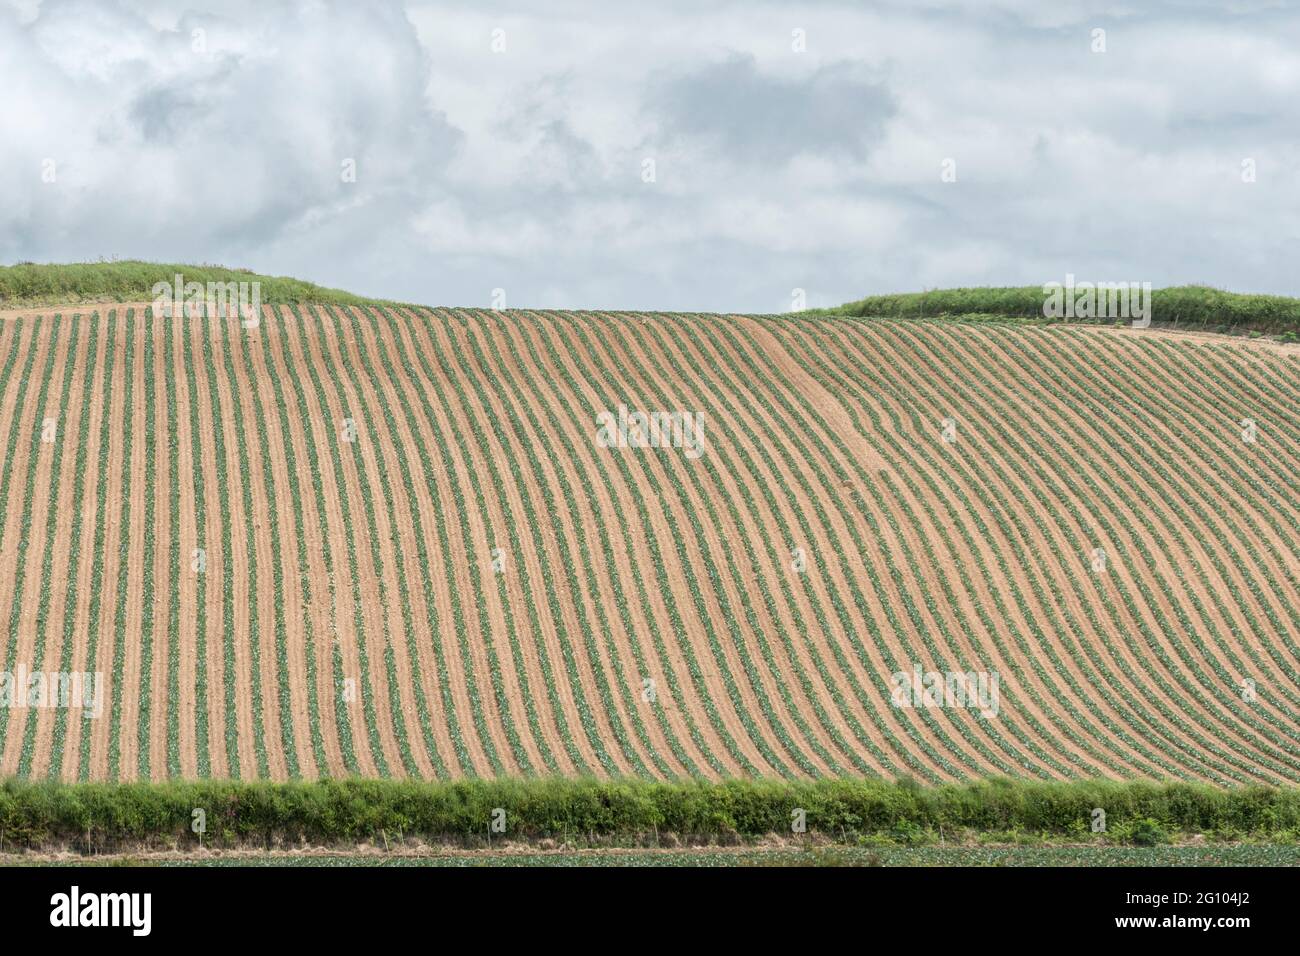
(101, 816)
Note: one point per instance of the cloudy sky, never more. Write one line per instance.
(667, 155)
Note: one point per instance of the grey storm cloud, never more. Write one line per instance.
(837, 109)
(164, 113)
(213, 133)
(502, 145)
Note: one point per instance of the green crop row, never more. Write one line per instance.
(670, 344)
(796, 750)
(611, 391)
(959, 509)
(148, 597)
(74, 545)
(285, 443)
(1156, 520)
(534, 400)
(58, 414)
(34, 426)
(1007, 443)
(1006, 439)
(278, 609)
(526, 439)
(363, 686)
(427, 570)
(425, 341)
(223, 553)
(570, 400)
(315, 331)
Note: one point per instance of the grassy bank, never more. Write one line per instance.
(44, 814)
(1209, 854)
(31, 284)
(1187, 307)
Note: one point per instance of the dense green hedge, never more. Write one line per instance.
(30, 284)
(34, 814)
(1198, 307)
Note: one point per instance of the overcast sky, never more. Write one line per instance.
(666, 155)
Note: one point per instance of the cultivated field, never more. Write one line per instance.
(386, 542)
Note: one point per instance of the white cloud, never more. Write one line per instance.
(774, 168)
(210, 136)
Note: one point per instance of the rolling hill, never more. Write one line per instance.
(378, 540)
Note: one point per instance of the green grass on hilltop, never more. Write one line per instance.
(29, 284)
(1191, 307)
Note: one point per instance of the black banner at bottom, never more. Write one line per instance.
(337, 905)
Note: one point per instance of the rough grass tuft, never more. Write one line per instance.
(1192, 307)
(30, 284)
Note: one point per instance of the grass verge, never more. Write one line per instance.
(1240, 854)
